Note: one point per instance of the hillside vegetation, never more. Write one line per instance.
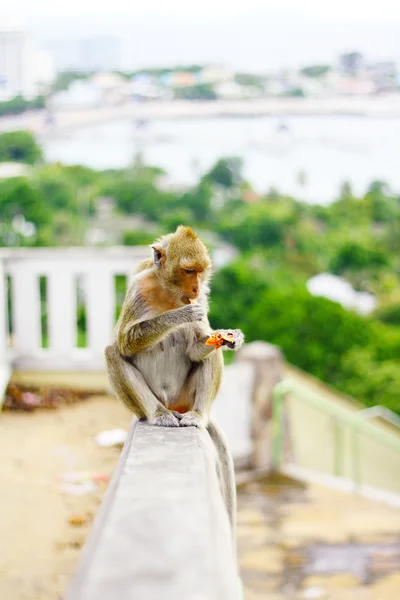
(282, 242)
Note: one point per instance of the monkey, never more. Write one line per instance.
(159, 364)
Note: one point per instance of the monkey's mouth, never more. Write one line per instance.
(187, 300)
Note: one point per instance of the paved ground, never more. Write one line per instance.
(315, 543)
(294, 543)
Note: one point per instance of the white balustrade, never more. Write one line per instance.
(3, 315)
(62, 267)
(5, 367)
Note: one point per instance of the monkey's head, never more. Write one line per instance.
(183, 263)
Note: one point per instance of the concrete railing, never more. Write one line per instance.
(162, 531)
(327, 439)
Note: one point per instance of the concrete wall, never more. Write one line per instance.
(163, 531)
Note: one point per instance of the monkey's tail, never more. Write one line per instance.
(227, 472)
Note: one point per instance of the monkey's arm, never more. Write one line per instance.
(197, 349)
(136, 333)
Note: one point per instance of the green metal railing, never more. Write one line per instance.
(356, 445)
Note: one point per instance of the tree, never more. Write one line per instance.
(227, 172)
(355, 256)
(139, 237)
(257, 225)
(346, 191)
(198, 201)
(19, 146)
(250, 80)
(316, 71)
(19, 196)
(202, 91)
(19, 105)
(139, 195)
(57, 188)
(383, 206)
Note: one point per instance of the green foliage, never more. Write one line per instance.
(65, 79)
(139, 237)
(316, 71)
(160, 71)
(389, 313)
(201, 91)
(370, 381)
(382, 205)
(19, 146)
(295, 93)
(357, 256)
(18, 196)
(283, 242)
(139, 194)
(198, 202)
(250, 80)
(19, 105)
(357, 356)
(57, 188)
(227, 172)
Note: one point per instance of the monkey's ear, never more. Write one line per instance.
(159, 255)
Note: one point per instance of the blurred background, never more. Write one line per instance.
(272, 128)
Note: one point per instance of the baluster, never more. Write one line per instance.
(26, 310)
(3, 315)
(61, 284)
(100, 306)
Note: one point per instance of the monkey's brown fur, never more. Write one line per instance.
(159, 364)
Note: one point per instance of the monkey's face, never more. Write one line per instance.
(186, 277)
(190, 283)
(184, 264)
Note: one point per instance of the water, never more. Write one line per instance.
(310, 159)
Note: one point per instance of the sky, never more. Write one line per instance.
(256, 35)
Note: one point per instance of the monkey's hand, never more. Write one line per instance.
(236, 341)
(191, 313)
(229, 338)
(192, 419)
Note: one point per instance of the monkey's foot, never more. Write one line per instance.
(192, 419)
(165, 419)
(177, 414)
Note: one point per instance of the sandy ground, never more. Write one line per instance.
(39, 547)
(283, 532)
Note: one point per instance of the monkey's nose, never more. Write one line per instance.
(195, 290)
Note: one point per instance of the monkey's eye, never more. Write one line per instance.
(189, 271)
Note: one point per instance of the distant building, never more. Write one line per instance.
(229, 90)
(14, 169)
(385, 75)
(80, 94)
(355, 86)
(385, 68)
(24, 69)
(339, 290)
(183, 79)
(351, 63)
(44, 70)
(15, 74)
(146, 87)
(215, 74)
(97, 53)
